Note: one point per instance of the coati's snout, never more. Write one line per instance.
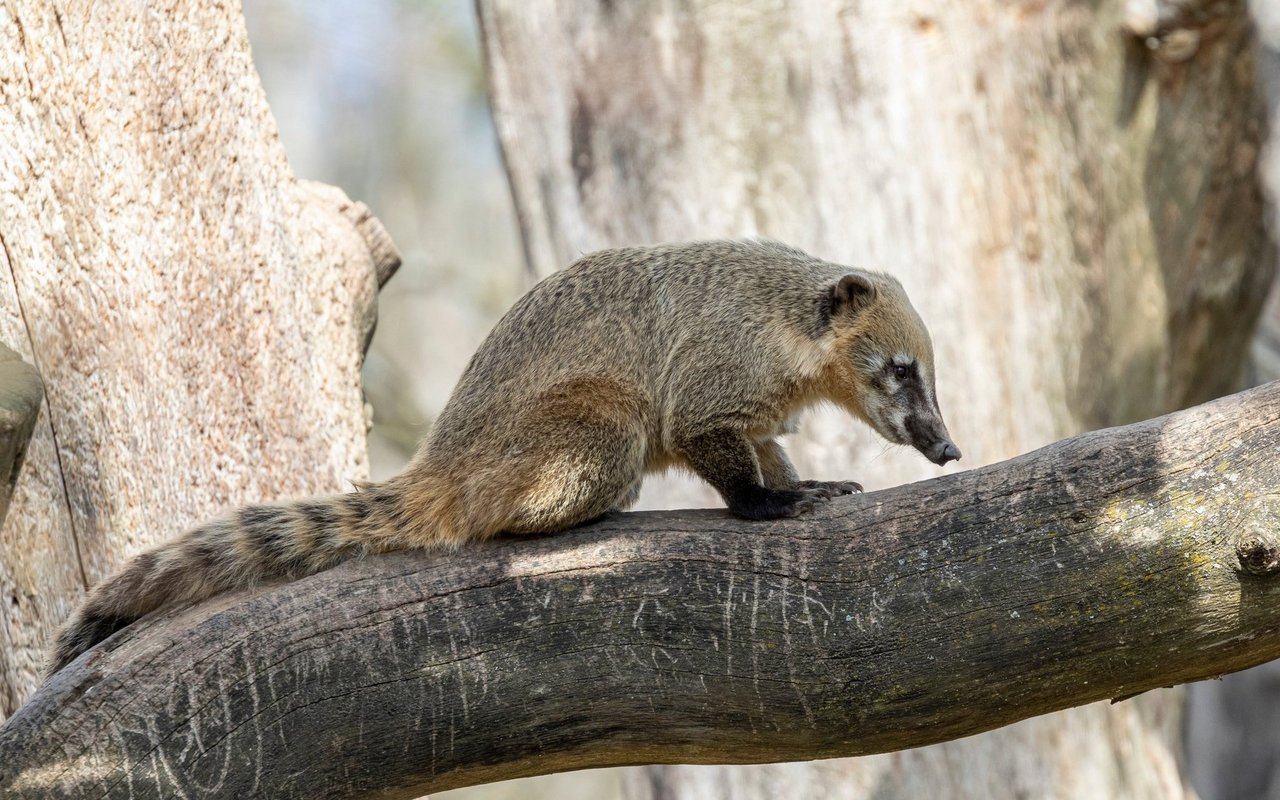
(938, 448)
(922, 428)
(927, 433)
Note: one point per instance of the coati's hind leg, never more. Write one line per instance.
(779, 473)
(589, 460)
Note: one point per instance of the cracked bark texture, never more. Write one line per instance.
(197, 313)
(1098, 567)
(1068, 191)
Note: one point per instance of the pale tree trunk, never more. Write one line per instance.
(1068, 193)
(198, 315)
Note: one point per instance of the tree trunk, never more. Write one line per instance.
(1233, 725)
(1098, 567)
(198, 314)
(1068, 194)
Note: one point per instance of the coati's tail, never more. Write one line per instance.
(256, 543)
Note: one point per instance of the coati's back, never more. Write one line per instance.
(636, 314)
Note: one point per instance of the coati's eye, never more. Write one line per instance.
(900, 372)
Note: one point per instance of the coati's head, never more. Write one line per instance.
(881, 368)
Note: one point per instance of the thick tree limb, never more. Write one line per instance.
(1102, 566)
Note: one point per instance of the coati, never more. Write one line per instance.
(629, 361)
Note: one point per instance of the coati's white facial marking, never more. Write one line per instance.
(897, 423)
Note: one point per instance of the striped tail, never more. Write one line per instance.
(257, 543)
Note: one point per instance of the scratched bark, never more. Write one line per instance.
(197, 313)
(1098, 567)
(1067, 190)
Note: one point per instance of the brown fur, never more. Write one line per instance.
(628, 361)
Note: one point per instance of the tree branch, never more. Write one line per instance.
(1098, 567)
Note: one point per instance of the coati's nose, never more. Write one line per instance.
(944, 451)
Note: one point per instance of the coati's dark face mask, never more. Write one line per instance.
(900, 404)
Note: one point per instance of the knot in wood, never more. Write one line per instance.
(1257, 556)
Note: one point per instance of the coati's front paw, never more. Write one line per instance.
(764, 503)
(831, 488)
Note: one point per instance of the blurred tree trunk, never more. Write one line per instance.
(198, 314)
(1233, 725)
(1068, 193)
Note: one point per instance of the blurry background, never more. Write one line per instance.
(386, 98)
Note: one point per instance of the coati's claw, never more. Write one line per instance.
(808, 495)
(831, 488)
(806, 504)
(796, 508)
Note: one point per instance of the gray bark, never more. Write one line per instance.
(1067, 190)
(197, 313)
(1099, 567)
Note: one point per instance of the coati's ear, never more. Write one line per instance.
(852, 293)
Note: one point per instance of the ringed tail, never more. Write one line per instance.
(254, 544)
